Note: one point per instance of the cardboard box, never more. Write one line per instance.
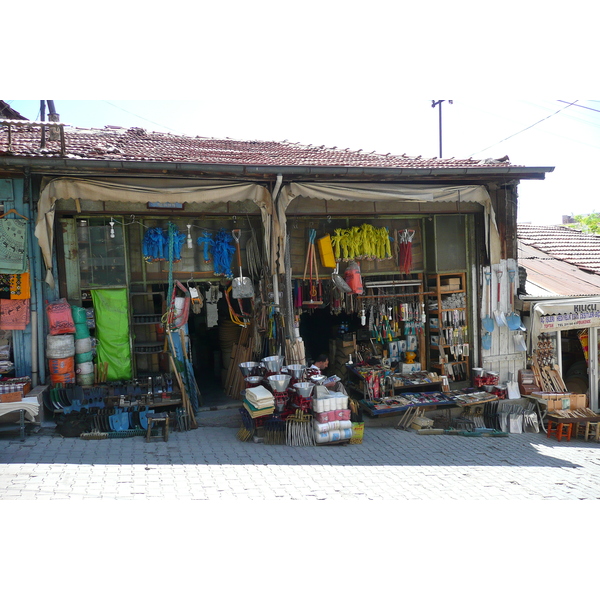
(406, 368)
(578, 401)
(450, 281)
(11, 397)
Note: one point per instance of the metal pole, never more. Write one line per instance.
(440, 126)
(438, 103)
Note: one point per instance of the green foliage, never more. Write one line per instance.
(587, 223)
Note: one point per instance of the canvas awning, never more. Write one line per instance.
(564, 314)
(384, 193)
(143, 191)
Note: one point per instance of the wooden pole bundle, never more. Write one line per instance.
(241, 352)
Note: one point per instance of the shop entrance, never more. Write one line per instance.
(574, 358)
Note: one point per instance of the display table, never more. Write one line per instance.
(28, 407)
(397, 404)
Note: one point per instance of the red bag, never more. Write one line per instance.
(60, 317)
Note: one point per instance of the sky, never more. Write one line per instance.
(327, 72)
(533, 133)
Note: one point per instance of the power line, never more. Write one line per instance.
(526, 128)
(580, 106)
(144, 118)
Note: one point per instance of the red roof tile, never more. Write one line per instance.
(137, 144)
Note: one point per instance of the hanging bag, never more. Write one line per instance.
(60, 317)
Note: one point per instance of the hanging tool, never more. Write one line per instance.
(513, 319)
(313, 282)
(241, 287)
(498, 313)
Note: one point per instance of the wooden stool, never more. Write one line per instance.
(592, 431)
(559, 430)
(160, 419)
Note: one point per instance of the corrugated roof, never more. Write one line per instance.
(137, 144)
(564, 244)
(549, 276)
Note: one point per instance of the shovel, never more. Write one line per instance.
(241, 287)
(519, 341)
(513, 319)
(498, 314)
(488, 322)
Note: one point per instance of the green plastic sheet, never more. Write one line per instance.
(111, 308)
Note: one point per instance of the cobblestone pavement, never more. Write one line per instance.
(211, 463)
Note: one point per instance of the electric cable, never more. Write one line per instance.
(526, 128)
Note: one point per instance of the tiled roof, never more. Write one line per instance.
(548, 276)
(564, 243)
(137, 144)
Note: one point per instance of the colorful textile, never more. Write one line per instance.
(13, 242)
(20, 288)
(4, 286)
(14, 314)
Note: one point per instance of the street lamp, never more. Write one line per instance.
(438, 103)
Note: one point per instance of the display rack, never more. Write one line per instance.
(448, 325)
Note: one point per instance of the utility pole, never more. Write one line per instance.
(438, 103)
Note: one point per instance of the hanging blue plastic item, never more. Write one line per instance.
(223, 253)
(209, 244)
(178, 241)
(152, 244)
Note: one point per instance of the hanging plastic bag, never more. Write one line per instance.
(60, 317)
(353, 277)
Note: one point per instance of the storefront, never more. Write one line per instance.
(564, 335)
(206, 284)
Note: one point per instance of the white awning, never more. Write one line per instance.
(152, 190)
(564, 314)
(389, 192)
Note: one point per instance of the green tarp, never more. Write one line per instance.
(111, 310)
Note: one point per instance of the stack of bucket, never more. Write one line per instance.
(60, 351)
(331, 419)
(84, 366)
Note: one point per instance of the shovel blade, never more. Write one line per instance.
(514, 322)
(241, 287)
(486, 341)
(488, 324)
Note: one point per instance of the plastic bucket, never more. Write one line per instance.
(60, 346)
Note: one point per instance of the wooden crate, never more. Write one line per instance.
(11, 397)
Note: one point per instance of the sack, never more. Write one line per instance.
(63, 377)
(60, 346)
(82, 331)
(60, 318)
(79, 314)
(60, 366)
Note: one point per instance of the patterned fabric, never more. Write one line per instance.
(20, 288)
(4, 287)
(14, 314)
(13, 242)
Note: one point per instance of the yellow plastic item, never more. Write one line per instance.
(326, 252)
